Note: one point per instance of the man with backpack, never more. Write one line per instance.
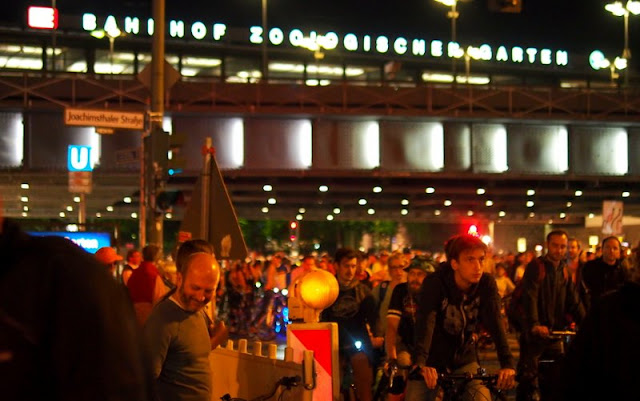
(548, 299)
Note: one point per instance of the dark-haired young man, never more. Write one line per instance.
(353, 310)
(605, 273)
(451, 304)
(548, 297)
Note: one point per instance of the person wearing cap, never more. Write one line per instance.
(453, 302)
(402, 312)
(108, 257)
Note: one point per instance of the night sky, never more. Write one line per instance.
(561, 24)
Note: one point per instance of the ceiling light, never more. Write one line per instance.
(448, 203)
(76, 199)
(302, 210)
(61, 214)
(377, 190)
(502, 213)
(626, 194)
(330, 217)
(591, 215)
(134, 215)
(569, 204)
(404, 202)
(362, 202)
(25, 208)
(126, 199)
(430, 190)
(336, 210)
(578, 192)
(24, 199)
(299, 217)
(489, 203)
(437, 212)
(24, 185)
(323, 188)
(530, 203)
(109, 208)
(271, 201)
(404, 212)
(563, 215)
(371, 211)
(98, 214)
(69, 208)
(469, 213)
(267, 188)
(265, 209)
(168, 215)
(531, 192)
(532, 214)
(24, 214)
(480, 191)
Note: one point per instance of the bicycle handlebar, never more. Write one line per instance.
(452, 377)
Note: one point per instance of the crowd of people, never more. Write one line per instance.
(139, 327)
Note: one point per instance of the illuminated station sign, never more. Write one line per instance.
(327, 41)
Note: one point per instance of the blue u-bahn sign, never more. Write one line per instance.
(79, 158)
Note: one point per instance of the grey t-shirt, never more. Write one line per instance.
(179, 346)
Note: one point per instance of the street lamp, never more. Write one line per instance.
(111, 33)
(598, 61)
(616, 8)
(453, 15)
(265, 60)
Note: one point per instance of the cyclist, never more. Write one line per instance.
(548, 299)
(353, 310)
(401, 315)
(452, 303)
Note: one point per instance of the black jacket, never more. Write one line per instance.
(67, 329)
(448, 318)
(599, 277)
(602, 361)
(552, 302)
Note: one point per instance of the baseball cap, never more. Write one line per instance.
(107, 255)
(423, 263)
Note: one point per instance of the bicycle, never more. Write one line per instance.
(548, 364)
(454, 386)
(288, 382)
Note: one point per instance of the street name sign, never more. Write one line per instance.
(104, 118)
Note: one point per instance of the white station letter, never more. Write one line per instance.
(150, 26)
(330, 41)
(400, 45)
(545, 56)
(366, 44)
(351, 42)
(276, 36)
(219, 30)
(89, 22)
(531, 52)
(176, 29)
(132, 25)
(382, 44)
(502, 54)
(296, 37)
(437, 48)
(256, 34)
(562, 57)
(517, 54)
(418, 47)
(198, 30)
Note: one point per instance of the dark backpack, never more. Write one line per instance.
(515, 310)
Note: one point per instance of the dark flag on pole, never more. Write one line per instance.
(210, 214)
